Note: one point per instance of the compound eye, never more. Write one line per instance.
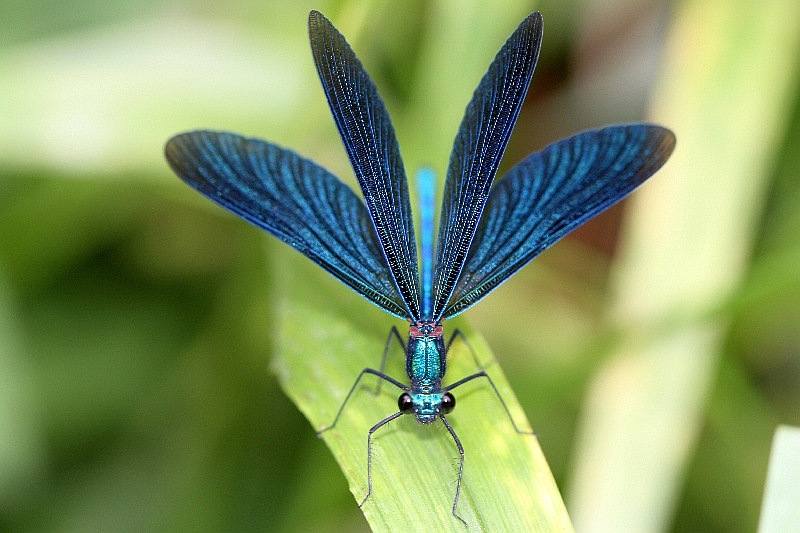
(448, 403)
(405, 403)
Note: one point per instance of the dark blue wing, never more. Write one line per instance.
(292, 198)
(371, 144)
(477, 150)
(552, 192)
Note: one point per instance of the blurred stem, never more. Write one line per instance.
(727, 82)
(780, 511)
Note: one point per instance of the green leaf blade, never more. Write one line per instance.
(506, 486)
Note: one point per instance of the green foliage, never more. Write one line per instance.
(321, 350)
(141, 328)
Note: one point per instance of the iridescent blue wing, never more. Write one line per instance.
(477, 150)
(292, 198)
(552, 192)
(371, 144)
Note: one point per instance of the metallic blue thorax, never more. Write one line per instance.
(426, 365)
(425, 359)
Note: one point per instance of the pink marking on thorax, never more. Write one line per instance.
(425, 329)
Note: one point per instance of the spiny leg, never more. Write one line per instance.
(483, 374)
(353, 388)
(460, 466)
(393, 334)
(369, 452)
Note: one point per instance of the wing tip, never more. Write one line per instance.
(179, 143)
(315, 17)
(174, 148)
(663, 141)
(534, 18)
(668, 140)
(533, 24)
(317, 22)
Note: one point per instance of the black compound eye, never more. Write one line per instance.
(448, 403)
(405, 403)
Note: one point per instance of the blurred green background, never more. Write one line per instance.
(137, 319)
